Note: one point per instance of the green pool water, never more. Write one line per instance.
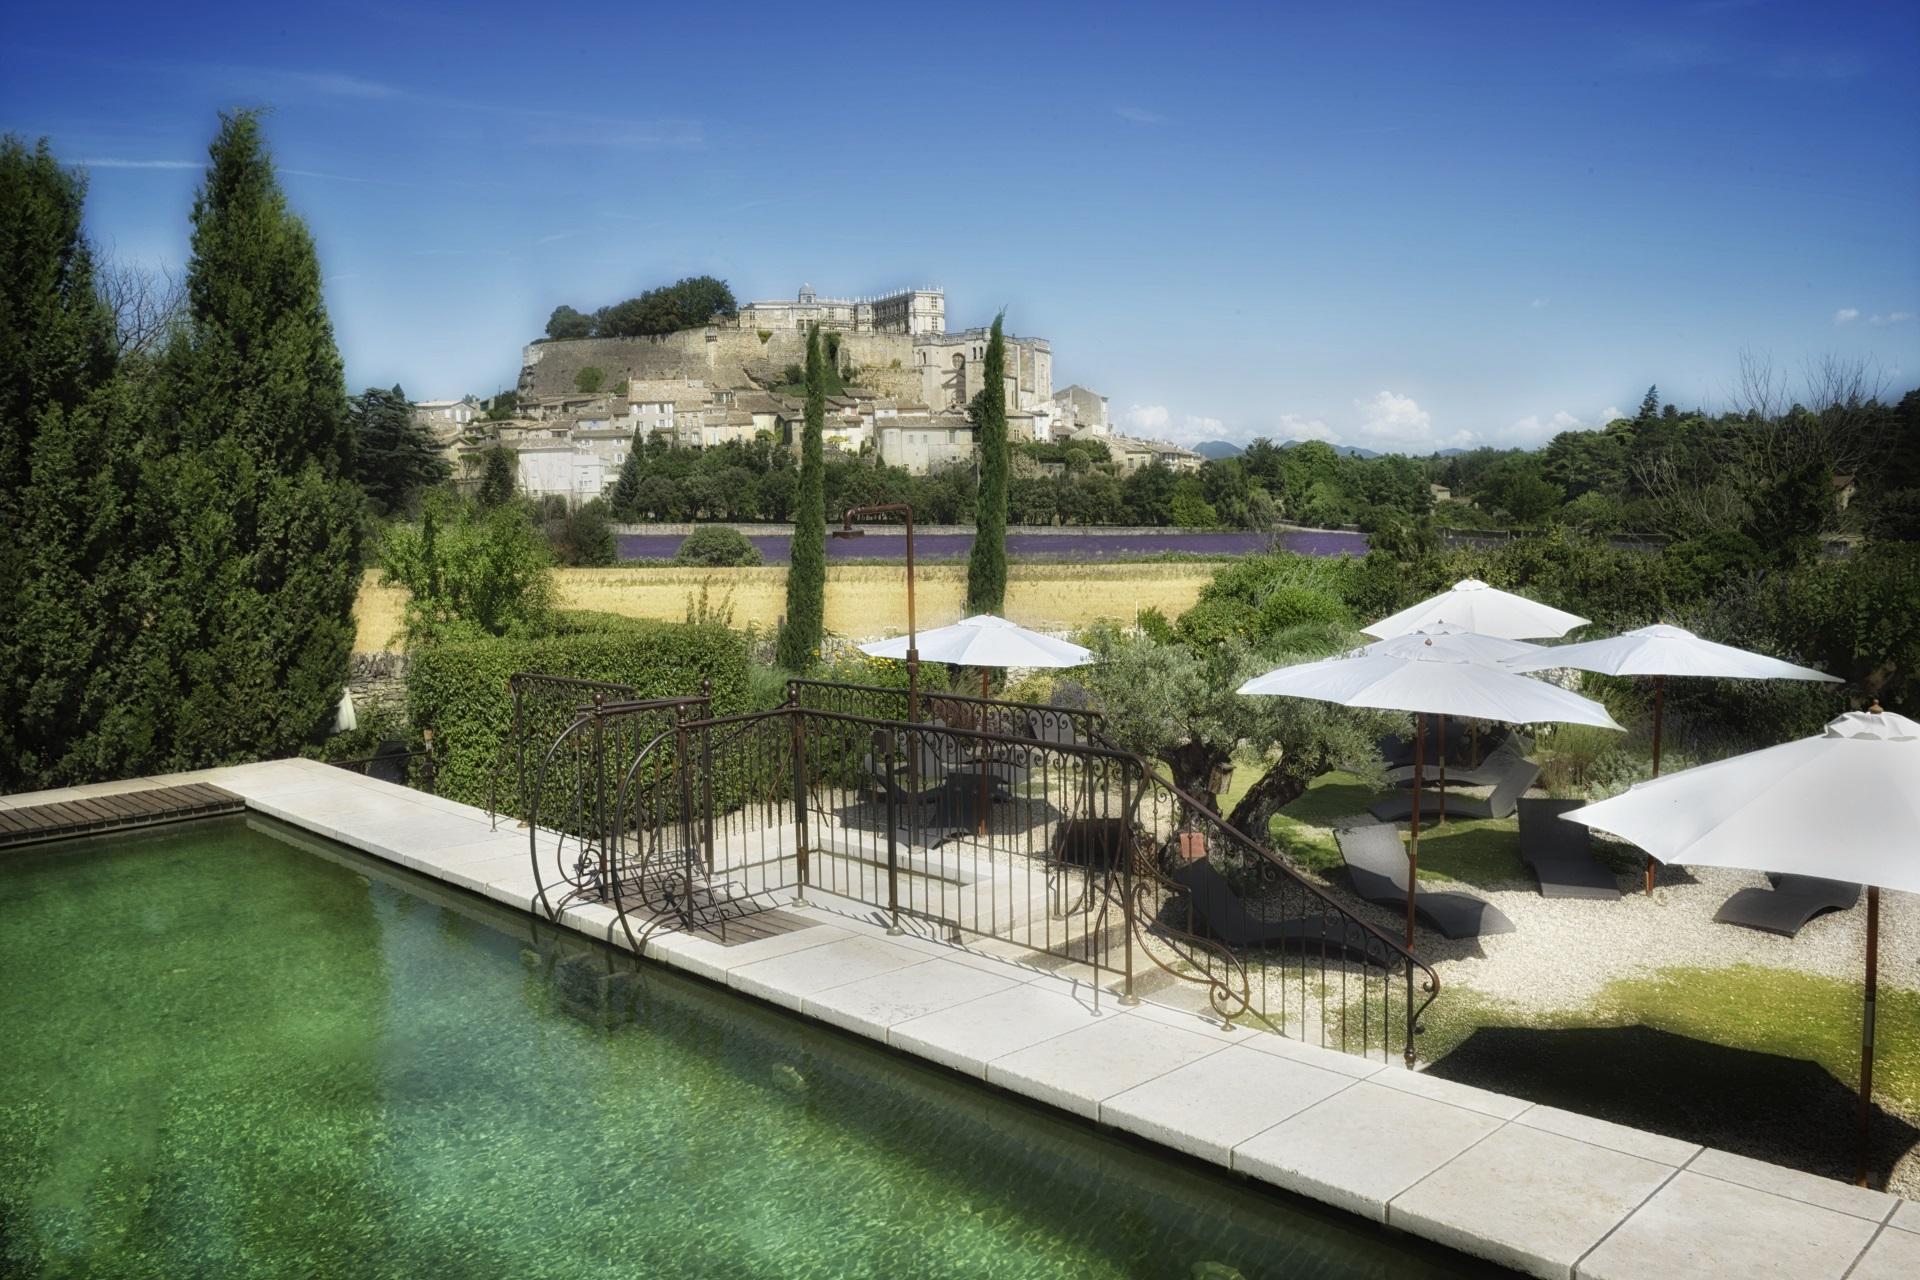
(229, 1050)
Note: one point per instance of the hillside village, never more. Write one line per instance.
(903, 383)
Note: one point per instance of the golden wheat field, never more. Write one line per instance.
(863, 601)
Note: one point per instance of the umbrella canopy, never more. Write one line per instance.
(1468, 644)
(1662, 650)
(1844, 805)
(1489, 611)
(1433, 674)
(985, 641)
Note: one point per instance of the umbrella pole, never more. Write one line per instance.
(1659, 694)
(1441, 740)
(1866, 1032)
(1413, 847)
(980, 824)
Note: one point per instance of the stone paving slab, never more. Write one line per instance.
(1363, 1146)
(1550, 1192)
(1701, 1226)
(1528, 1199)
(1893, 1255)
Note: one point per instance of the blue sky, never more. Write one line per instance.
(1407, 226)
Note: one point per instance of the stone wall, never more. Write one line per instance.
(376, 678)
(720, 355)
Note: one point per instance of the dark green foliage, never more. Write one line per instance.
(67, 462)
(394, 455)
(717, 545)
(804, 625)
(684, 304)
(626, 490)
(252, 555)
(565, 322)
(588, 379)
(581, 536)
(470, 570)
(987, 562)
(459, 689)
(1189, 507)
(499, 478)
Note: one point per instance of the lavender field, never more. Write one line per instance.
(1091, 548)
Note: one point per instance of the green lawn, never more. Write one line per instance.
(1470, 852)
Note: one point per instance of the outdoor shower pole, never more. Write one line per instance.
(1413, 846)
(1659, 696)
(1866, 1033)
(1440, 740)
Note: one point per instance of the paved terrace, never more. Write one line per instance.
(1549, 1192)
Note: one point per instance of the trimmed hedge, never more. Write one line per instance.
(459, 688)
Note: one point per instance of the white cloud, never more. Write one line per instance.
(1846, 315)
(1398, 423)
(111, 163)
(1892, 317)
(1538, 304)
(1139, 115)
(1534, 429)
(1157, 422)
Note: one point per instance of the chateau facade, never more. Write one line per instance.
(911, 311)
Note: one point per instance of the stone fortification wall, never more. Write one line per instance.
(722, 356)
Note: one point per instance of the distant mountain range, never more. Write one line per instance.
(1218, 449)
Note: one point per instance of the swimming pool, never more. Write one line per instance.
(235, 1050)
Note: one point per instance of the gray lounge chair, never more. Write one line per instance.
(1560, 854)
(1786, 908)
(1219, 913)
(1498, 804)
(1492, 768)
(1377, 864)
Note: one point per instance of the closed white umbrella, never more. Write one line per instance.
(1843, 805)
(1661, 651)
(1489, 611)
(984, 641)
(1428, 674)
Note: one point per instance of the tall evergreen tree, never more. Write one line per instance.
(64, 473)
(807, 568)
(497, 481)
(394, 455)
(253, 528)
(626, 490)
(987, 565)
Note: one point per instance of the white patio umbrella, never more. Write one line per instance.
(984, 641)
(1482, 609)
(1843, 805)
(1661, 651)
(1469, 644)
(1429, 674)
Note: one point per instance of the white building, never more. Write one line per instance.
(912, 311)
(560, 469)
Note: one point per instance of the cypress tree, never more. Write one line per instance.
(252, 516)
(626, 490)
(497, 481)
(987, 565)
(64, 475)
(807, 569)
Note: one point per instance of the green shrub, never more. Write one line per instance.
(1289, 606)
(717, 546)
(589, 378)
(459, 688)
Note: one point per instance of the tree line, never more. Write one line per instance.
(685, 304)
(184, 523)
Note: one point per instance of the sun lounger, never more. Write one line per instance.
(1219, 913)
(1492, 768)
(1787, 907)
(1498, 804)
(1377, 865)
(1560, 854)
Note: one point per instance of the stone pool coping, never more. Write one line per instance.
(1548, 1192)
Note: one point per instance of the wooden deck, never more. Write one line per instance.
(91, 815)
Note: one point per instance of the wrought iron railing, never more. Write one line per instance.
(417, 768)
(1072, 854)
(1041, 722)
(543, 707)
